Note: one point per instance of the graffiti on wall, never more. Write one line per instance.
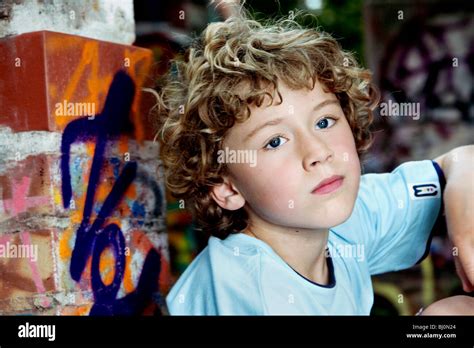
(86, 191)
(94, 236)
(425, 64)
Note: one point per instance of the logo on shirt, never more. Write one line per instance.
(424, 190)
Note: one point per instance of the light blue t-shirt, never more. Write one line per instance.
(388, 230)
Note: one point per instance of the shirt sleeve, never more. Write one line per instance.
(398, 211)
(222, 280)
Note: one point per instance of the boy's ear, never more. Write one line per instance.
(227, 196)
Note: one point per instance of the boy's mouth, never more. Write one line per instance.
(328, 185)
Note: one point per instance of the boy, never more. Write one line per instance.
(261, 130)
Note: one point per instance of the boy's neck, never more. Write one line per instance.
(303, 250)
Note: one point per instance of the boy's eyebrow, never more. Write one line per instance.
(276, 121)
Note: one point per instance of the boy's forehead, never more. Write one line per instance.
(293, 100)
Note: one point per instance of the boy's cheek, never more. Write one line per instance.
(269, 171)
(270, 191)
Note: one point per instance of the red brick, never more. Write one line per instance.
(57, 67)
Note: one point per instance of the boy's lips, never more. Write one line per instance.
(328, 185)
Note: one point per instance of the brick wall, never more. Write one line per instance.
(82, 208)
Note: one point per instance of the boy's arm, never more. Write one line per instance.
(458, 168)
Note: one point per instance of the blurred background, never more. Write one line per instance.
(419, 51)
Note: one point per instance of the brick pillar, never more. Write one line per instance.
(82, 208)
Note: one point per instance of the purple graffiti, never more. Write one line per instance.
(427, 61)
(93, 237)
(423, 63)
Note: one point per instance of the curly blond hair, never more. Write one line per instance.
(232, 65)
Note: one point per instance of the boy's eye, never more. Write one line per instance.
(326, 122)
(275, 143)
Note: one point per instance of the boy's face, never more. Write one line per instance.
(307, 139)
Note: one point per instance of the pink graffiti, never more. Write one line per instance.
(20, 202)
(35, 273)
(5, 239)
(45, 302)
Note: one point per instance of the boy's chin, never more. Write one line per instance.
(315, 223)
(336, 219)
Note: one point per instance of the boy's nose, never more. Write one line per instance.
(315, 151)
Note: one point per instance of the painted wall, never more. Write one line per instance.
(422, 53)
(82, 205)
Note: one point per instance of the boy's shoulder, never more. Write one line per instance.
(222, 279)
(394, 215)
(393, 191)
